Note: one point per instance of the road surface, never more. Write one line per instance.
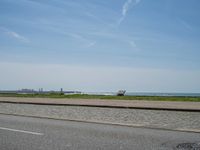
(26, 133)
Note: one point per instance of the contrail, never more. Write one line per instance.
(127, 5)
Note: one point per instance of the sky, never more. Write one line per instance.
(100, 45)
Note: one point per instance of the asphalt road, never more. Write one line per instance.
(26, 133)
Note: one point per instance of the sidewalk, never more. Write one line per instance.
(132, 104)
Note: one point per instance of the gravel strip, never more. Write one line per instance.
(189, 121)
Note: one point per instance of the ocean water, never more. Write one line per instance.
(146, 94)
(163, 94)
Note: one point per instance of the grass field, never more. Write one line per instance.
(86, 96)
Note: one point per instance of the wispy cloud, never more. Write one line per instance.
(14, 35)
(87, 43)
(131, 41)
(98, 19)
(126, 7)
(91, 44)
(132, 44)
(17, 36)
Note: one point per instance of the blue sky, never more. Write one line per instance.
(93, 45)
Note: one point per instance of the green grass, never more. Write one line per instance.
(86, 96)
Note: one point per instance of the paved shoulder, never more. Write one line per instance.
(72, 135)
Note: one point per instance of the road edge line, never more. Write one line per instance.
(107, 123)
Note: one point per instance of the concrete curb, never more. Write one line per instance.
(106, 106)
(109, 123)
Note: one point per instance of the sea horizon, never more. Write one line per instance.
(148, 93)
